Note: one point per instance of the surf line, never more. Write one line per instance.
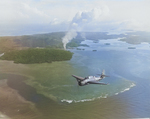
(84, 100)
(126, 89)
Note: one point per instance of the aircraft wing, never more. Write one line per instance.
(77, 77)
(96, 82)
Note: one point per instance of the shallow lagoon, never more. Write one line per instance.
(126, 96)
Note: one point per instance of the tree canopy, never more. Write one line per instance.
(37, 55)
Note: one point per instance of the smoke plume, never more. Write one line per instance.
(69, 36)
(81, 20)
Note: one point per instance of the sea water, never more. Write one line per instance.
(126, 96)
(57, 83)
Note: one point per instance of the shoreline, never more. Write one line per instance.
(13, 104)
(19, 100)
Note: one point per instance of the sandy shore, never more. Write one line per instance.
(13, 105)
(2, 116)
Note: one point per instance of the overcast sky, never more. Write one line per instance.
(18, 17)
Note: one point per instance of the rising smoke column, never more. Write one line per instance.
(81, 20)
(69, 36)
(72, 33)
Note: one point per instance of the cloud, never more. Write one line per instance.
(81, 15)
(81, 20)
(69, 36)
(26, 14)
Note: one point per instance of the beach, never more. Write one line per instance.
(14, 105)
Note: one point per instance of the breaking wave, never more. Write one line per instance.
(84, 100)
(92, 99)
(71, 93)
(126, 89)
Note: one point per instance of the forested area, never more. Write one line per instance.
(37, 55)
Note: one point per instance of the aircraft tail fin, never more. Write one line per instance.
(103, 75)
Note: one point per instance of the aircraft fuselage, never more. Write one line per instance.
(87, 80)
(90, 79)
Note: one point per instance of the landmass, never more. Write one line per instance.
(40, 48)
(13, 105)
(36, 49)
(136, 37)
(50, 40)
(37, 55)
(53, 40)
(131, 47)
(107, 43)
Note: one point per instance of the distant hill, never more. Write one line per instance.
(54, 40)
(41, 40)
(137, 37)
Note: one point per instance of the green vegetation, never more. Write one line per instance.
(17, 48)
(76, 43)
(37, 55)
(38, 48)
(53, 40)
(49, 40)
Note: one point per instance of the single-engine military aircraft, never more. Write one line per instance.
(90, 79)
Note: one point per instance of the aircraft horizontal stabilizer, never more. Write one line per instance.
(96, 82)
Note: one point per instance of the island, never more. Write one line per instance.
(107, 43)
(41, 48)
(51, 40)
(37, 55)
(131, 47)
(137, 37)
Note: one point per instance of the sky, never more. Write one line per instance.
(22, 17)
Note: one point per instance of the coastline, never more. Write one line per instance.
(13, 104)
(29, 75)
(19, 100)
(127, 104)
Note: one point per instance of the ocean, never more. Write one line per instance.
(56, 94)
